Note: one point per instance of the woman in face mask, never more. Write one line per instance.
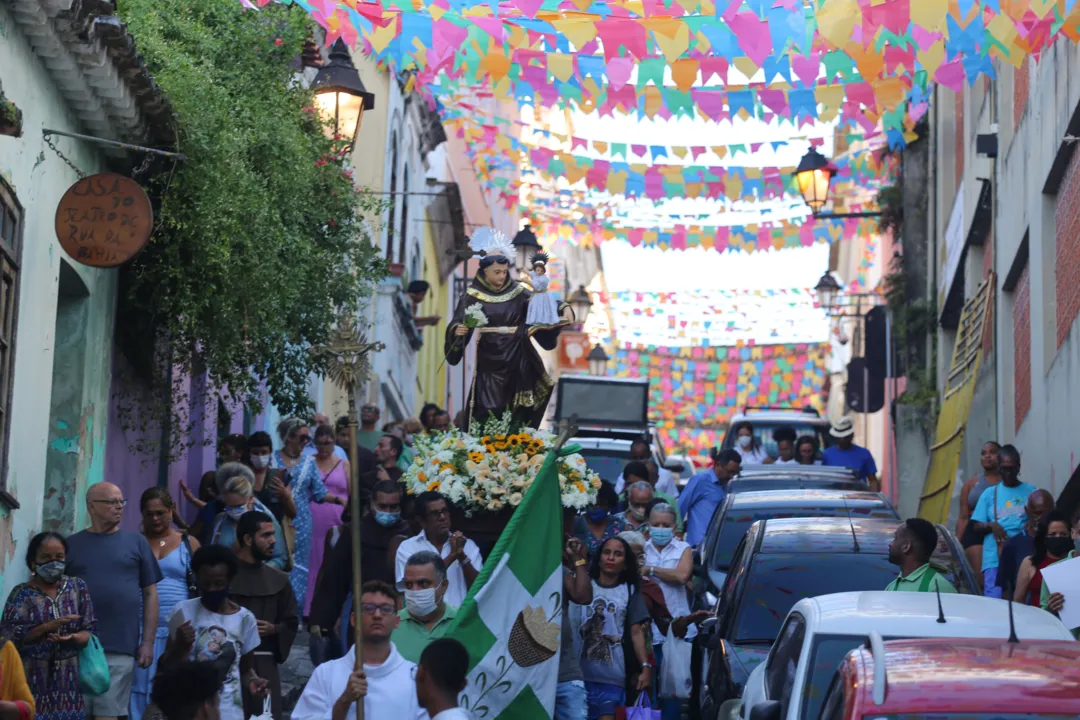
(670, 562)
(1053, 542)
(238, 498)
(173, 550)
(270, 483)
(747, 445)
(598, 524)
(213, 628)
(48, 619)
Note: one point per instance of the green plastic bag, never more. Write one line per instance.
(93, 668)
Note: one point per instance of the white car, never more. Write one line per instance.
(820, 631)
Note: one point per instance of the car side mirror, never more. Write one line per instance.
(766, 710)
(708, 626)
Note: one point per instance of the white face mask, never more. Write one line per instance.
(421, 603)
(744, 441)
(260, 461)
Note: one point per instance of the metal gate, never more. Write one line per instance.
(956, 405)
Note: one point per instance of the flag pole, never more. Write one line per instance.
(346, 357)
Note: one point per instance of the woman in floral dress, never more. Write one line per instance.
(50, 618)
(308, 488)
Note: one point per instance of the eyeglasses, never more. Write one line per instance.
(114, 502)
(438, 513)
(305, 439)
(374, 609)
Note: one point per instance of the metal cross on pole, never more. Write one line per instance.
(346, 352)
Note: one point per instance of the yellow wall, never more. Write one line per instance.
(430, 378)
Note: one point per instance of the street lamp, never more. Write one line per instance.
(598, 360)
(341, 96)
(580, 302)
(814, 177)
(526, 246)
(826, 290)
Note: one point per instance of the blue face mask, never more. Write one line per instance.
(387, 519)
(236, 513)
(596, 514)
(661, 536)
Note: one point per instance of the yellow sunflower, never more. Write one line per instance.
(500, 438)
(500, 446)
(433, 486)
(446, 466)
(421, 477)
(476, 457)
(513, 441)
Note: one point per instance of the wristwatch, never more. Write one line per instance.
(646, 665)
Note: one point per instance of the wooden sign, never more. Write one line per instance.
(104, 220)
(574, 351)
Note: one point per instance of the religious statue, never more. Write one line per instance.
(508, 374)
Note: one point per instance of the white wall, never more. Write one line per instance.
(40, 179)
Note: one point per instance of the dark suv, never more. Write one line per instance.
(741, 509)
(781, 561)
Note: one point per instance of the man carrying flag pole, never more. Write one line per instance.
(511, 619)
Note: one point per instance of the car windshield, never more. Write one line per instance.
(763, 432)
(776, 582)
(733, 527)
(825, 656)
(608, 464)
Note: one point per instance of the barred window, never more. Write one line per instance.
(11, 217)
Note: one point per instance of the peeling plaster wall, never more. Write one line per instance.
(40, 178)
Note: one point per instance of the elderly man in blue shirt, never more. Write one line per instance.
(704, 492)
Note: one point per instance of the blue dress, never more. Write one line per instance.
(307, 487)
(171, 589)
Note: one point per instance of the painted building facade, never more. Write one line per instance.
(66, 69)
(1004, 203)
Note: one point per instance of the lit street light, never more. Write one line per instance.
(341, 96)
(814, 177)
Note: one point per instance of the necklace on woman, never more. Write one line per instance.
(161, 540)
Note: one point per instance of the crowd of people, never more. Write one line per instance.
(195, 621)
(1011, 530)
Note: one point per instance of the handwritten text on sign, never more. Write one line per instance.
(104, 220)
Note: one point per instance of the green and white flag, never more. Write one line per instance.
(511, 620)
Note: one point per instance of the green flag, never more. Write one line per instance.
(511, 620)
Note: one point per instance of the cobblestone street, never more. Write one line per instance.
(296, 671)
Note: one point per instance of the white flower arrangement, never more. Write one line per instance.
(475, 317)
(491, 467)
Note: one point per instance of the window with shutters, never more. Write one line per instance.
(11, 219)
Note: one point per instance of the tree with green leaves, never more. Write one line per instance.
(260, 236)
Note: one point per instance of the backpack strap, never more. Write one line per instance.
(928, 577)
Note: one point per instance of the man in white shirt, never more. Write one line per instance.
(665, 480)
(462, 557)
(442, 675)
(388, 681)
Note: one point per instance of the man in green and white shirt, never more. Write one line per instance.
(426, 616)
(911, 549)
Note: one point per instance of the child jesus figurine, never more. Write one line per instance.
(543, 308)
